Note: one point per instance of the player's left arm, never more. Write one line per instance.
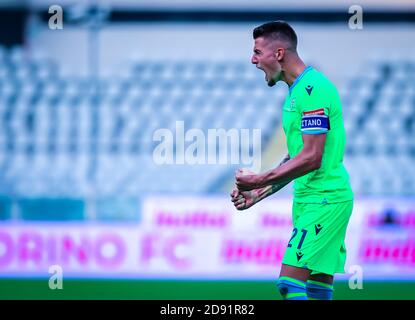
(307, 160)
(315, 125)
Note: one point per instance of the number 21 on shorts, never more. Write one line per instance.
(294, 234)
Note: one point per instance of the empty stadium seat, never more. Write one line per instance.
(60, 137)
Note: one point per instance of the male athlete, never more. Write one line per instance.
(323, 200)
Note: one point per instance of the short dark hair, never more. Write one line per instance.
(277, 30)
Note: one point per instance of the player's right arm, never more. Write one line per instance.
(243, 200)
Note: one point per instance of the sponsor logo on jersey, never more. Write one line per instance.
(299, 255)
(309, 88)
(318, 228)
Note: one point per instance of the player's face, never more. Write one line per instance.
(265, 58)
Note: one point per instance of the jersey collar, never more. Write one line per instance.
(297, 80)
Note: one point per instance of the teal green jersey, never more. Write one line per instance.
(313, 106)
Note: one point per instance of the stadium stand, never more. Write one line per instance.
(69, 138)
(380, 125)
(61, 137)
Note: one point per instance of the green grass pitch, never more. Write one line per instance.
(187, 290)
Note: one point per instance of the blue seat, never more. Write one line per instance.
(119, 208)
(5, 208)
(51, 209)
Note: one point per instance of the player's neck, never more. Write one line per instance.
(296, 67)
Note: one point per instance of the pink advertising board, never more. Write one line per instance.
(204, 238)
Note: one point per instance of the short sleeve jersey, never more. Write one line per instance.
(313, 106)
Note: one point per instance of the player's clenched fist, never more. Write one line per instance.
(243, 199)
(246, 180)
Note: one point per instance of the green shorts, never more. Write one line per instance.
(317, 241)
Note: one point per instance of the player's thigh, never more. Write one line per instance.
(302, 274)
(322, 277)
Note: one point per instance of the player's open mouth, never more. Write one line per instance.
(264, 72)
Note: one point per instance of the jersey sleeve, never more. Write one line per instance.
(314, 108)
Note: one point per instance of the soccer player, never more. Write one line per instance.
(323, 200)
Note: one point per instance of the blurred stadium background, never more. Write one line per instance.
(79, 187)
